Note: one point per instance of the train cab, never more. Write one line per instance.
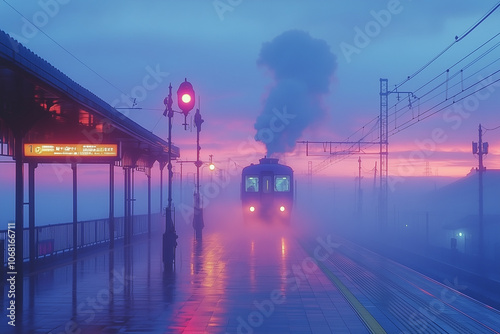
(267, 191)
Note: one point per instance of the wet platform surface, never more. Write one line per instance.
(245, 280)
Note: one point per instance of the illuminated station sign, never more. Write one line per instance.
(71, 150)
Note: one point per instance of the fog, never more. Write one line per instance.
(432, 222)
(54, 189)
(422, 211)
(426, 215)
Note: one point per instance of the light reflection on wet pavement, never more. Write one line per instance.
(241, 280)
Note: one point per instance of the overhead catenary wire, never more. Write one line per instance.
(492, 129)
(481, 56)
(434, 89)
(402, 110)
(441, 88)
(454, 98)
(457, 39)
(448, 105)
(421, 87)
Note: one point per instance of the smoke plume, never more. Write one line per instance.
(302, 67)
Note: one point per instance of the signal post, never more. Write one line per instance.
(186, 102)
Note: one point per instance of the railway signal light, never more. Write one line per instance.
(185, 97)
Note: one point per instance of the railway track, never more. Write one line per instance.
(391, 298)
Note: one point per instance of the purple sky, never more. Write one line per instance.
(125, 49)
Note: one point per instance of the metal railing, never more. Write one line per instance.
(58, 238)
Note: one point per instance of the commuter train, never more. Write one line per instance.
(267, 191)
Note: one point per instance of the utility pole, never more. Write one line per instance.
(198, 223)
(384, 152)
(360, 194)
(428, 171)
(384, 147)
(185, 101)
(480, 149)
(309, 177)
(170, 235)
(351, 147)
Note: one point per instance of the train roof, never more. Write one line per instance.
(267, 164)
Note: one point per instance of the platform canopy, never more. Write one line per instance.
(48, 110)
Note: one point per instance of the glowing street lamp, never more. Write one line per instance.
(211, 165)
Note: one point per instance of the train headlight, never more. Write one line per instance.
(282, 208)
(252, 209)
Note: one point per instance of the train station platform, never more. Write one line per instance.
(244, 279)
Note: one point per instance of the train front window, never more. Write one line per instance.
(252, 184)
(267, 184)
(282, 183)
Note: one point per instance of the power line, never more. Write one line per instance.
(460, 72)
(452, 97)
(448, 105)
(419, 99)
(493, 129)
(458, 62)
(457, 39)
(439, 89)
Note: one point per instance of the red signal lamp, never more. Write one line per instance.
(186, 97)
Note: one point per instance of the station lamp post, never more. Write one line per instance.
(185, 101)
